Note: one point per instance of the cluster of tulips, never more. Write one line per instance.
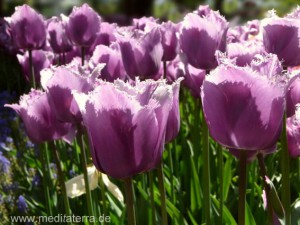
(120, 86)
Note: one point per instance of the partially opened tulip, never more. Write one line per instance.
(28, 28)
(83, 25)
(59, 83)
(142, 53)
(281, 36)
(293, 133)
(169, 40)
(243, 109)
(40, 61)
(58, 39)
(200, 36)
(173, 124)
(39, 119)
(292, 95)
(111, 56)
(244, 52)
(126, 133)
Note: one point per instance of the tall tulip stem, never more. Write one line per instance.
(31, 69)
(60, 178)
(285, 169)
(82, 55)
(165, 69)
(46, 177)
(220, 169)
(153, 216)
(206, 171)
(84, 167)
(103, 191)
(162, 191)
(242, 187)
(263, 174)
(129, 201)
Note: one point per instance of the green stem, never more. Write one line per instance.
(80, 140)
(206, 172)
(103, 191)
(31, 69)
(285, 170)
(172, 170)
(46, 187)
(162, 191)
(242, 187)
(61, 178)
(263, 174)
(165, 69)
(82, 55)
(220, 166)
(129, 201)
(150, 174)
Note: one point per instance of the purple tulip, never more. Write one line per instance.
(59, 84)
(28, 28)
(244, 52)
(6, 39)
(292, 95)
(175, 70)
(142, 55)
(293, 133)
(281, 37)
(83, 25)
(40, 60)
(144, 23)
(243, 109)
(58, 39)
(111, 56)
(106, 35)
(243, 33)
(193, 79)
(126, 133)
(173, 124)
(169, 40)
(201, 36)
(39, 119)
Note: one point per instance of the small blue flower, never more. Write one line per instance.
(72, 173)
(22, 205)
(4, 164)
(36, 180)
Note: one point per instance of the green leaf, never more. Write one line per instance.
(227, 217)
(227, 177)
(249, 217)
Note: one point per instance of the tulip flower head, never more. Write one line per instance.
(243, 108)
(281, 36)
(200, 36)
(83, 25)
(59, 83)
(39, 119)
(142, 53)
(58, 38)
(292, 95)
(40, 61)
(126, 125)
(293, 133)
(169, 40)
(111, 56)
(28, 28)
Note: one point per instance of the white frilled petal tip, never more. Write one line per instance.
(76, 186)
(46, 75)
(81, 99)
